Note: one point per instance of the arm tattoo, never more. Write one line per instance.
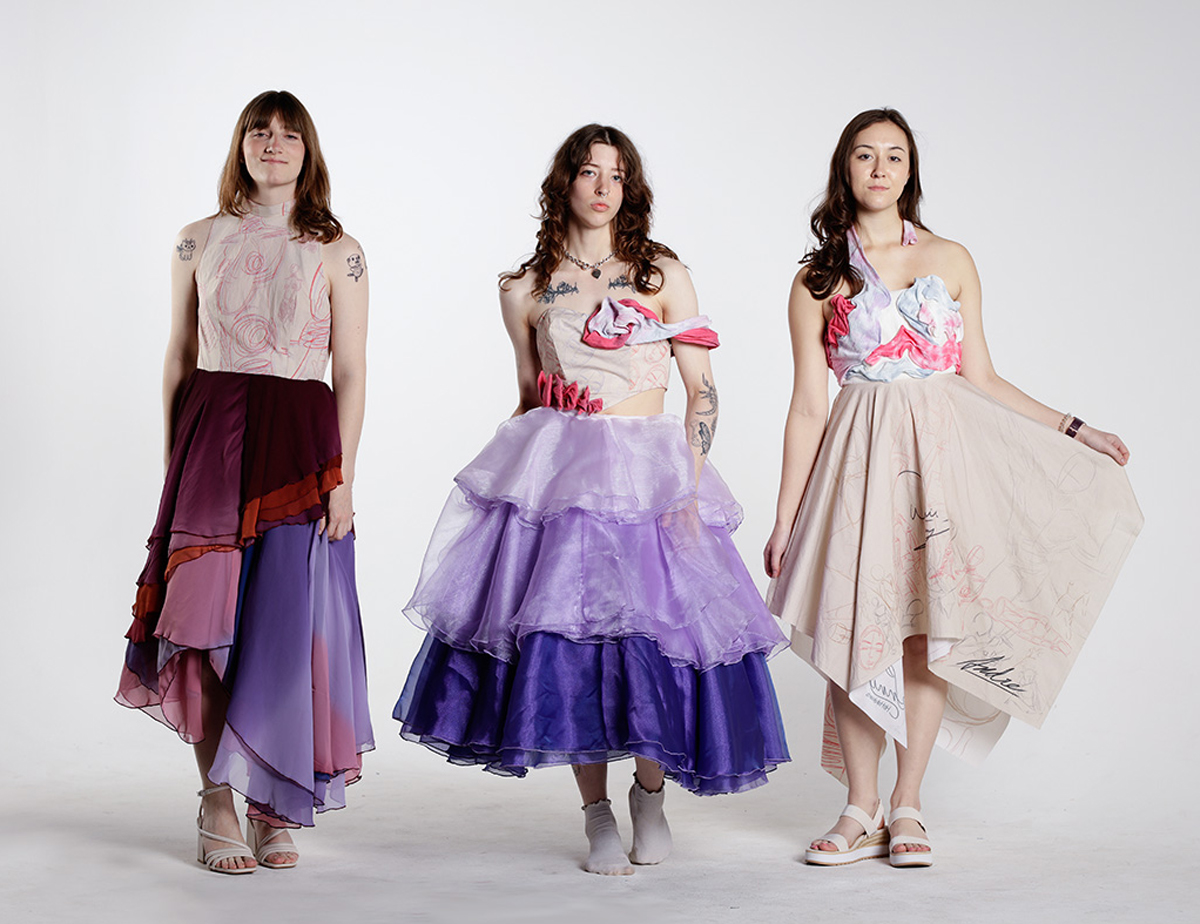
(621, 282)
(186, 248)
(709, 392)
(559, 291)
(704, 431)
(357, 266)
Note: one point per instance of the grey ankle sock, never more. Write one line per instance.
(606, 856)
(651, 834)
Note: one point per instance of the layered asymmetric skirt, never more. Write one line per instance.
(584, 602)
(239, 577)
(935, 510)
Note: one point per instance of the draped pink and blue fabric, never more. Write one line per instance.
(239, 575)
(584, 601)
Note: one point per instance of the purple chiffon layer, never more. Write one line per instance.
(716, 731)
(594, 529)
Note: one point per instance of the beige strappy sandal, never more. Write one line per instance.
(263, 849)
(872, 842)
(908, 857)
(211, 858)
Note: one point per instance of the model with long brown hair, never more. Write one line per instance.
(943, 542)
(246, 637)
(582, 594)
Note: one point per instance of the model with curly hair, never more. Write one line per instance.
(246, 637)
(943, 542)
(582, 594)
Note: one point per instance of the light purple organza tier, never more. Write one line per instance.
(620, 469)
(591, 528)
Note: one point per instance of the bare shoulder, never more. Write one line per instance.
(342, 248)
(190, 241)
(944, 252)
(673, 272)
(516, 298)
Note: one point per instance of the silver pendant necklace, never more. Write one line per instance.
(594, 267)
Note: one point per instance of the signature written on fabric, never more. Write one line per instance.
(993, 671)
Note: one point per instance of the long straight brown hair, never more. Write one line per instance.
(311, 216)
(829, 261)
(631, 227)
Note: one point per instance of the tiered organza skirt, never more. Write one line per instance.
(584, 602)
(239, 576)
(935, 510)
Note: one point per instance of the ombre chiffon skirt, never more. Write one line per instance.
(584, 601)
(239, 578)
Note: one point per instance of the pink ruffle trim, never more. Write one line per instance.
(556, 392)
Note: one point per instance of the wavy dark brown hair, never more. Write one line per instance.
(631, 226)
(311, 216)
(829, 261)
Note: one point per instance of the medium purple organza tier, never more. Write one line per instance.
(558, 702)
(591, 528)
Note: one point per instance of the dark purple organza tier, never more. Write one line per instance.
(558, 702)
(240, 579)
(580, 547)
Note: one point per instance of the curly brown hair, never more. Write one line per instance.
(631, 226)
(829, 261)
(311, 216)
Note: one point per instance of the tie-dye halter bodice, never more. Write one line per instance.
(264, 301)
(592, 362)
(879, 335)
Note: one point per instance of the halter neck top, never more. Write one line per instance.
(880, 335)
(264, 301)
(592, 362)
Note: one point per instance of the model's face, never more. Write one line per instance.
(274, 155)
(878, 166)
(598, 187)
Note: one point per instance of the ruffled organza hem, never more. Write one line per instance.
(561, 701)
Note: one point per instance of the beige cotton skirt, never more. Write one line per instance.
(935, 510)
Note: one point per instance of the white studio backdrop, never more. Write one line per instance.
(1051, 145)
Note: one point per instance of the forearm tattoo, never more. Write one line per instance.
(186, 248)
(703, 431)
(356, 265)
(621, 282)
(559, 291)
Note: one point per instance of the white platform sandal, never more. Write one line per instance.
(263, 849)
(211, 858)
(872, 843)
(908, 857)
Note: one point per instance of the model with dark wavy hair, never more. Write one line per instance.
(631, 242)
(942, 542)
(246, 637)
(582, 594)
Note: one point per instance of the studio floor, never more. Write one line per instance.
(422, 841)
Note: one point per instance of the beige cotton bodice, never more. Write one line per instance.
(264, 300)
